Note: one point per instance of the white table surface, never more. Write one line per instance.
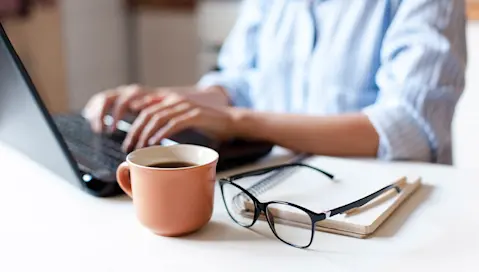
(48, 225)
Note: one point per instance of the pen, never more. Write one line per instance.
(400, 184)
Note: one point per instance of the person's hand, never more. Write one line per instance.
(167, 114)
(119, 101)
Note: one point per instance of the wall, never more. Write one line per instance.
(108, 46)
(466, 123)
(167, 47)
(37, 41)
(95, 36)
(177, 47)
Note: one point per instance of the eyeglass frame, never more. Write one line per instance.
(261, 207)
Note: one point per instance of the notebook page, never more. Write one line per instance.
(354, 179)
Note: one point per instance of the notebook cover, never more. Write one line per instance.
(319, 194)
(355, 230)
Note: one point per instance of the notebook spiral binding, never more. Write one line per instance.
(266, 183)
(274, 179)
(261, 187)
(269, 182)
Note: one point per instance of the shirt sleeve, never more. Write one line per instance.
(237, 57)
(421, 78)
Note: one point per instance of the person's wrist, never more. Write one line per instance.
(209, 96)
(239, 121)
(218, 92)
(217, 89)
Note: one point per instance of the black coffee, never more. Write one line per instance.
(171, 165)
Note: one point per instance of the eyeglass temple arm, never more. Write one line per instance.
(363, 201)
(278, 167)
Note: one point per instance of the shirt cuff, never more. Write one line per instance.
(400, 134)
(235, 86)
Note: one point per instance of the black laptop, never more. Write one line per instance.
(65, 143)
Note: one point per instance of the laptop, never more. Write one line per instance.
(65, 143)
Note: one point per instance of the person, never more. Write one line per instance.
(373, 78)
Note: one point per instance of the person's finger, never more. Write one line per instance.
(146, 101)
(142, 120)
(104, 105)
(137, 127)
(176, 125)
(159, 120)
(122, 104)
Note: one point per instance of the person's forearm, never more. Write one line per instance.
(342, 135)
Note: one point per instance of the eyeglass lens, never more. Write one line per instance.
(239, 205)
(280, 217)
(242, 210)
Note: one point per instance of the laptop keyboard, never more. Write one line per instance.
(95, 152)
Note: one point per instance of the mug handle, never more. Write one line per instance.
(123, 177)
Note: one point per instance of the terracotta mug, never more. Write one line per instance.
(171, 201)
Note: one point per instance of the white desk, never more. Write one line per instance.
(48, 225)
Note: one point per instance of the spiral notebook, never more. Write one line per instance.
(354, 179)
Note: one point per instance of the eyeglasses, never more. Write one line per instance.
(245, 209)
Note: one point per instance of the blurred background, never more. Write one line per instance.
(75, 48)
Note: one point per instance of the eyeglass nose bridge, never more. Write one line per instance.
(262, 209)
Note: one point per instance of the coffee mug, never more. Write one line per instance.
(172, 187)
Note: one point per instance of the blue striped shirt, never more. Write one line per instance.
(400, 62)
